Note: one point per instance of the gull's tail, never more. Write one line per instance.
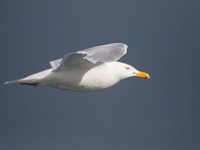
(34, 79)
(33, 82)
(10, 82)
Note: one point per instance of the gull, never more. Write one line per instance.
(90, 69)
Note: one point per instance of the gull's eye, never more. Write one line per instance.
(128, 68)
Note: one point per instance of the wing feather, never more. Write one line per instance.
(105, 53)
(93, 56)
(55, 63)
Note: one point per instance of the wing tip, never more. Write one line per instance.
(122, 45)
(55, 63)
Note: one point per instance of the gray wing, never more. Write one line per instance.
(55, 63)
(91, 57)
(105, 53)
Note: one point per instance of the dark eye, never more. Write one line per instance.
(128, 68)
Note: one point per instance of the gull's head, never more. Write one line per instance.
(127, 71)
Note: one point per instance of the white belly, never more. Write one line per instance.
(79, 80)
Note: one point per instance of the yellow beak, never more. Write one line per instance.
(142, 75)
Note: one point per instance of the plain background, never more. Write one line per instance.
(157, 114)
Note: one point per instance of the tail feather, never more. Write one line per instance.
(25, 82)
(12, 81)
(34, 79)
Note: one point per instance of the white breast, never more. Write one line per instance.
(99, 77)
(96, 78)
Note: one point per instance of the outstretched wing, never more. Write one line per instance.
(105, 53)
(93, 56)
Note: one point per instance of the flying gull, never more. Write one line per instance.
(86, 70)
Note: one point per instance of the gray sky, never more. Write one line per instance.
(157, 114)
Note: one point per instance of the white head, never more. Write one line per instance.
(127, 71)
